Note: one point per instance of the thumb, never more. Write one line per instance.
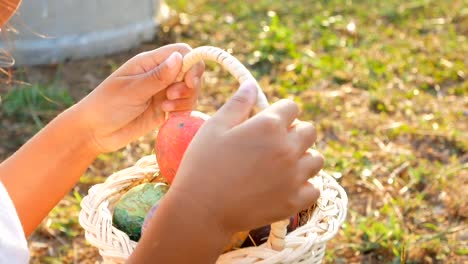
(239, 106)
(161, 76)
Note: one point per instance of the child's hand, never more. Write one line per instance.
(247, 173)
(132, 101)
(236, 175)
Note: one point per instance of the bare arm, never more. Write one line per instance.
(41, 172)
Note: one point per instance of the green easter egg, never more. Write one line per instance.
(132, 208)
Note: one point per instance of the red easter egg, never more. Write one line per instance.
(173, 138)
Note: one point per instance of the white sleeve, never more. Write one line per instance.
(13, 244)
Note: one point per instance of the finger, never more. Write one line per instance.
(143, 124)
(307, 196)
(179, 105)
(159, 78)
(182, 48)
(286, 109)
(310, 164)
(151, 59)
(302, 135)
(238, 107)
(193, 76)
(180, 91)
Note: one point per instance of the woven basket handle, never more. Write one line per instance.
(228, 62)
(240, 72)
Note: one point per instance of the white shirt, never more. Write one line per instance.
(13, 244)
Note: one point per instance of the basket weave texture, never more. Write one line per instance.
(306, 244)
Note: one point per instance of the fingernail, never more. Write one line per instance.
(247, 87)
(171, 62)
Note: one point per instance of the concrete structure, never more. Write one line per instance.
(51, 31)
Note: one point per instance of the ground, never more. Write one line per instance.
(383, 81)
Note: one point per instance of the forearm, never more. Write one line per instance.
(44, 169)
(180, 232)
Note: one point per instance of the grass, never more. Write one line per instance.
(35, 103)
(384, 82)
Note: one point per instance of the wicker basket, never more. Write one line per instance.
(306, 244)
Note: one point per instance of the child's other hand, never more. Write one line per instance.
(242, 173)
(132, 101)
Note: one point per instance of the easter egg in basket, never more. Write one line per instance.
(131, 209)
(173, 138)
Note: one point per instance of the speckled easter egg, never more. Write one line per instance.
(260, 235)
(132, 208)
(173, 138)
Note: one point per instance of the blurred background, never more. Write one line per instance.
(384, 81)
